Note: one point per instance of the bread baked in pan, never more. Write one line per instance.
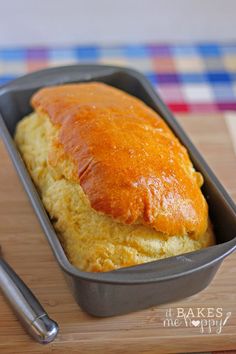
(118, 185)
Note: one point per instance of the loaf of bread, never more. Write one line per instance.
(118, 185)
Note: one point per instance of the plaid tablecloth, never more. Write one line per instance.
(189, 78)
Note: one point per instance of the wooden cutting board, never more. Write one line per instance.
(27, 250)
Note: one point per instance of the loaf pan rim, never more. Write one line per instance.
(108, 277)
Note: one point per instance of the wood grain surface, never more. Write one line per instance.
(26, 249)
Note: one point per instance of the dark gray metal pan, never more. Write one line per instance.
(132, 288)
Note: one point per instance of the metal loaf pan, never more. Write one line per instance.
(138, 287)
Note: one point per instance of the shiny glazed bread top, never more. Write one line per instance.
(128, 162)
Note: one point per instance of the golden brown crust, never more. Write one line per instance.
(128, 162)
(92, 241)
